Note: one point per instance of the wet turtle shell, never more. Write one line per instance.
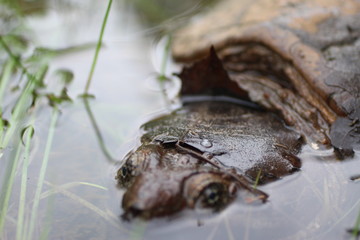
(298, 58)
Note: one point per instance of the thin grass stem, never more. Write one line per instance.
(257, 180)
(7, 187)
(108, 216)
(356, 229)
(48, 220)
(162, 76)
(50, 137)
(5, 77)
(19, 112)
(2, 129)
(139, 230)
(23, 188)
(16, 60)
(98, 46)
(98, 132)
(165, 58)
(24, 99)
(228, 229)
(70, 185)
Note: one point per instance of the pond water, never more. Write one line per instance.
(80, 199)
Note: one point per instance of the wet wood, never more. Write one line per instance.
(298, 58)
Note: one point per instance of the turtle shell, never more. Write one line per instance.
(298, 58)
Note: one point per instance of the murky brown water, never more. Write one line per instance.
(319, 202)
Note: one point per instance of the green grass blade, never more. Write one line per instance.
(2, 126)
(162, 78)
(108, 216)
(18, 113)
(7, 188)
(5, 77)
(165, 59)
(257, 180)
(99, 43)
(20, 220)
(356, 229)
(34, 211)
(19, 110)
(69, 185)
(48, 220)
(138, 231)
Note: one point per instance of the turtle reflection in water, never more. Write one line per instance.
(204, 154)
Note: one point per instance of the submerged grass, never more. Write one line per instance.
(162, 78)
(48, 220)
(68, 186)
(99, 136)
(34, 211)
(138, 230)
(257, 180)
(8, 186)
(165, 59)
(109, 217)
(18, 115)
(23, 185)
(356, 229)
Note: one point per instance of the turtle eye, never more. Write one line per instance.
(124, 171)
(208, 190)
(215, 196)
(124, 175)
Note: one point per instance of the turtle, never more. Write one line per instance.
(205, 154)
(290, 72)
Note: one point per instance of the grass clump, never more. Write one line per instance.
(17, 125)
(24, 79)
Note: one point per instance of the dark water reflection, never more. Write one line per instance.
(319, 202)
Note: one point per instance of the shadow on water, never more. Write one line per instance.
(79, 198)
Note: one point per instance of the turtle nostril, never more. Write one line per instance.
(131, 212)
(135, 211)
(295, 169)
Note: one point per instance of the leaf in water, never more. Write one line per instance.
(5, 122)
(65, 75)
(56, 100)
(24, 130)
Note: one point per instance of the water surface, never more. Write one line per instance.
(318, 202)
